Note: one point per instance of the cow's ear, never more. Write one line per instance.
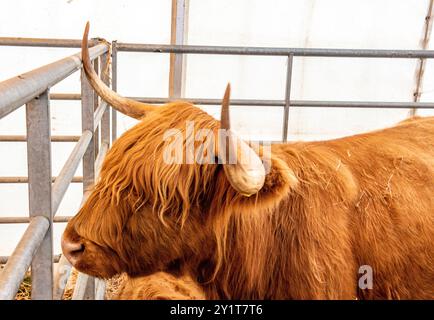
(279, 182)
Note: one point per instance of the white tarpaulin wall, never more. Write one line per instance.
(356, 24)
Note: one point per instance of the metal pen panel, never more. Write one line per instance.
(39, 171)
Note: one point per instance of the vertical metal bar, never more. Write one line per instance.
(39, 171)
(114, 87)
(87, 117)
(287, 98)
(178, 37)
(84, 287)
(422, 62)
(96, 65)
(105, 120)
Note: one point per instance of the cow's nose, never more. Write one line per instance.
(72, 250)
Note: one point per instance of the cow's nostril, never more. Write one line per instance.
(72, 250)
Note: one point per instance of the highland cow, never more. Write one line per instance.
(297, 225)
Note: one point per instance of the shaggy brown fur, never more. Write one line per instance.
(326, 209)
(160, 286)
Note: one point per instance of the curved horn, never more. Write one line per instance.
(244, 170)
(127, 106)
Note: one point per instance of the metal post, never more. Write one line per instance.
(96, 65)
(87, 118)
(178, 35)
(114, 87)
(422, 62)
(287, 98)
(39, 171)
(105, 121)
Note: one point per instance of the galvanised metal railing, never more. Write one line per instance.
(45, 193)
(32, 88)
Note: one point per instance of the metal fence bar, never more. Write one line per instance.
(100, 158)
(65, 96)
(21, 138)
(39, 169)
(84, 287)
(87, 121)
(19, 90)
(178, 33)
(105, 120)
(96, 105)
(287, 99)
(26, 179)
(114, 87)
(5, 259)
(10, 220)
(19, 262)
(99, 112)
(420, 71)
(41, 42)
(267, 51)
(294, 103)
(136, 47)
(62, 182)
(100, 288)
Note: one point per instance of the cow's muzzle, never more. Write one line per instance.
(73, 250)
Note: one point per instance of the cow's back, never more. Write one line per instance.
(371, 196)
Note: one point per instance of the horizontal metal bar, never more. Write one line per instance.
(19, 90)
(296, 103)
(99, 112)
(281, 103)
(65, 96)
(266, 51)
(14, 271)
(4, 259)
(67, 173)
(26, 180)
(12, 220)
(19, 138)
(41, 42)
